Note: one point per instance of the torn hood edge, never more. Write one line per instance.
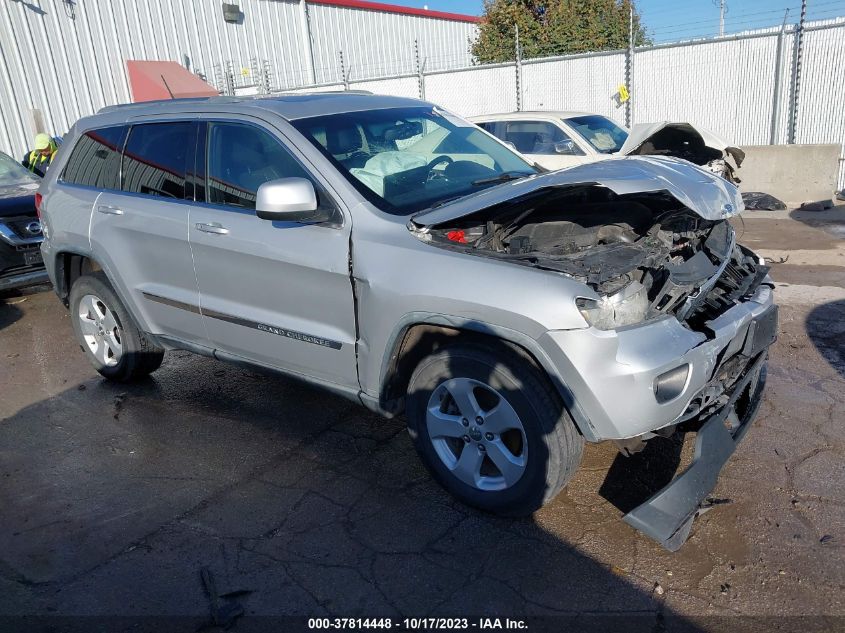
(708, 195)
(642, 132)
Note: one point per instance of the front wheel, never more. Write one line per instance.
(491, 429)
(107, 334)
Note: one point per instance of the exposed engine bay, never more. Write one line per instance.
(684, 140)
(644, 254)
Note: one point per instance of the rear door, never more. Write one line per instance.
(140, 233)
(277, 293)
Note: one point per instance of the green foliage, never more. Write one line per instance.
(554, 27)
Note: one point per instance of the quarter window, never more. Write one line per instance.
(155, 159)
(95, 159)
(240, 159)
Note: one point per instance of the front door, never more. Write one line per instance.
(278, 293)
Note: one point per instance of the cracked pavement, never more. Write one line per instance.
(113, 496)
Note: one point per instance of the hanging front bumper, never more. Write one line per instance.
(667, 516)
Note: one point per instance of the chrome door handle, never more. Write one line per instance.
(212, 227)
(109, 210)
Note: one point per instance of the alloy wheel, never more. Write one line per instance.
(477, 434)
(100, 330)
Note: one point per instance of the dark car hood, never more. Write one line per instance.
(18, 200)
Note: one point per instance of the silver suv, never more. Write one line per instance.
(397, 255)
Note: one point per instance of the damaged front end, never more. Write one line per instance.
(644, 255)
(685, 140)
(661, 268)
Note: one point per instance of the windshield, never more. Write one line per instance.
(12, 173)
(408, 159)
(600, 132)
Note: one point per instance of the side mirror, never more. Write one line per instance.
(565, 147)
(289, 200)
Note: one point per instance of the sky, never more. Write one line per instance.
(668, 20)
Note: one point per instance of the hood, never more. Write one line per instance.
(644, 132)
(708, 195)
(18, 200)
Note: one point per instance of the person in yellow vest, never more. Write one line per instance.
(38, 160)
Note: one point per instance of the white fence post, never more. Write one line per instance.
(344, 74)
(629, 71)
(796, 76)
(778, 89)
(420, 69)
(518, 52)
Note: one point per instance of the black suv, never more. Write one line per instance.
(20, 230)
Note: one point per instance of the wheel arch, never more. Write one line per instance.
(417, 337)
(70, 266)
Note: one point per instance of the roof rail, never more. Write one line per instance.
(122, 106)
(225, 99)
(305, 91)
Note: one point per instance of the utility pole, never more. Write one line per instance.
(723, 9)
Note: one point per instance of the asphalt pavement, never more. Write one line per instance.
(113, 498)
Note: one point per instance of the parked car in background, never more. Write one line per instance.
(556, 140)
(395, 254)
(20, 230)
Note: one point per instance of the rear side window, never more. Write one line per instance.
(240, 159)
(95, 159)
(155, 159)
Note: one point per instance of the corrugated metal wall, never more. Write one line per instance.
(389, 48)
(83, 67)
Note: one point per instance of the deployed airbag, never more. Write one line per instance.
(384, 164)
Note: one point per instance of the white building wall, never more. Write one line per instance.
(389, 49)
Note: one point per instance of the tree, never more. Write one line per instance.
(554, 27)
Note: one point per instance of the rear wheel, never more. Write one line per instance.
(491, 429)
(107, 334)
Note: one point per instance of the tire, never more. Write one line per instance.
(107, 334)
(539, 458)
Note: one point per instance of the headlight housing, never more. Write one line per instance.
(626, 307)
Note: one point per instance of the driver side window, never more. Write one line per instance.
(240, 159)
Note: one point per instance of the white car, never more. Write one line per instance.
(556, 140)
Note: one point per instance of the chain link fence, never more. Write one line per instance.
(742, 87)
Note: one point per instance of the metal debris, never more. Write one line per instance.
(224, 612)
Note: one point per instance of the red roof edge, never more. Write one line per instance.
(395, 8)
